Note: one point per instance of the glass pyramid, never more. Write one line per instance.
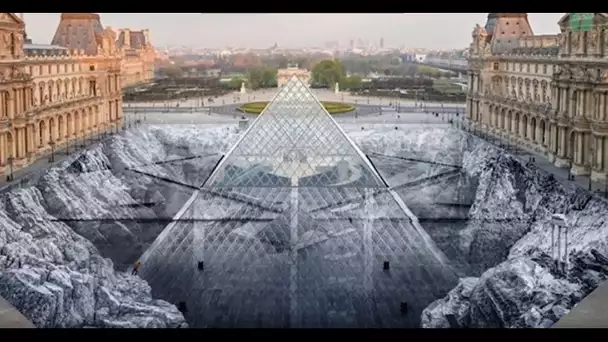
(295, 142)
(277, 237)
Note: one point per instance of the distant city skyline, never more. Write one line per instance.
(417, 30)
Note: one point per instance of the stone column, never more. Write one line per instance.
(17, 102)
(30, 138)
(21, 141)
(602, 107)
(561, 148)
(2, 99)
(11, 106)
(578, 148)
(555, 139)
(2, 149)
(110, 109)
(17, 142)
(513, 126)
(21, 102)
(555, 97)
(567, 101)
(604, 156)
(599, 150)
(572, 108)
(582, 97)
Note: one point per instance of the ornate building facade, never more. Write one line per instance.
(545, 93)
(52, 95)
(138, 56)
(284, 75)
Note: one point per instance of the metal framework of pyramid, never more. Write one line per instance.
(295, 142)
(292, 229)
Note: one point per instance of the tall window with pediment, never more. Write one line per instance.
(13, 44)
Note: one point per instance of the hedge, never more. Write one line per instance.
(331, 107)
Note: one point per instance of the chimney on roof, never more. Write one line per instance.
(127, 38)
(26, 40)
(146, 33)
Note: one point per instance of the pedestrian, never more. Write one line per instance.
(136, 268)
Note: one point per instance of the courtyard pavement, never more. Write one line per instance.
(237, 98)
(11, 317)
(590, 312)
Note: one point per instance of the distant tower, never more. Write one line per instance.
(382, 43)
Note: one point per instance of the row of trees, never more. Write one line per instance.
(257, 77)
(391, 66)
(328, 72)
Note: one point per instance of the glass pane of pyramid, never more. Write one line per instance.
(299, 262)
(295, 142)
(293, 229)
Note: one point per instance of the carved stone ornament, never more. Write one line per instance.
(486, 49)
(576, 36)
(562, 41)
(603, 76)
(592, 39)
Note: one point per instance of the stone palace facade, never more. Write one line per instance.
(284, 75)
(545, 93)
(138, 57)
(53, 95)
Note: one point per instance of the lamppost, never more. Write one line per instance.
(52, 158)
(10, 169)
(591, 165)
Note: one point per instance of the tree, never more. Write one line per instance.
(328, 72)
(262, 77)
(235, 83)
(351, 82)
(172, 71)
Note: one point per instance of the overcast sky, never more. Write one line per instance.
(424, 30)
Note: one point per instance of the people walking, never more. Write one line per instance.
(136, 268)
